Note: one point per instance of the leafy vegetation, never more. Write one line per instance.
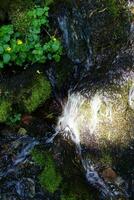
(15, 48)
(14, 119)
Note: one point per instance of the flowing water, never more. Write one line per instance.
(72, 116)
(80, 114)
(68, 125)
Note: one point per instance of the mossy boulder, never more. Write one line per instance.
(107, 118)
(35, 94)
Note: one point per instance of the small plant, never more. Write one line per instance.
(15, 118)
(31, 48)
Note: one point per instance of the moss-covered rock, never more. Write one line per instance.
(49, 178)
(35, 94)
(38, 157)
(5, 109)
(76, 189)
(106, 117)
(22, 93)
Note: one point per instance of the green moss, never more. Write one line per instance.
(36, 94)
(76, 189)
(38, 157)
(49, 178)
(5, 109)
(68, 197)
(113, 8)
(106, 159)
(18, 14)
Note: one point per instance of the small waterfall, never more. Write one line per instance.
(68, 126)
(76, 37)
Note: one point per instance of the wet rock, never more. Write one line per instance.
(23, 92)
(26, 188)
(109, 174)
(87, 28)
(22, 131)
(26, 119)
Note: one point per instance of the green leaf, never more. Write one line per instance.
(6, 38)
(56, 45)
(6, 58)
(40, 12)
(1, 65)
(1, 50)
(56, 57)
(49, 56)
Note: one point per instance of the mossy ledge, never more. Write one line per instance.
(23, 93)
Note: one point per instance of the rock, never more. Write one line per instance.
(23, 92)
(109, 175)
(22, 131)
(26, 119)
(34, 94)
(119, 181)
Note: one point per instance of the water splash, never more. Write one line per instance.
(131, 97)
(68, 124)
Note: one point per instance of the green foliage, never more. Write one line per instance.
(5, 109)
(49, 2)
(14, 119)
(19, 49)
(49, 178)
(35, 95)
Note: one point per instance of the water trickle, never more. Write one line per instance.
(75, 121)
(25, 144)
(76, 37)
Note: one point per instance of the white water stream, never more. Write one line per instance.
(68, 125)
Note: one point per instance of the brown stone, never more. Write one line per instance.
(109, 174)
